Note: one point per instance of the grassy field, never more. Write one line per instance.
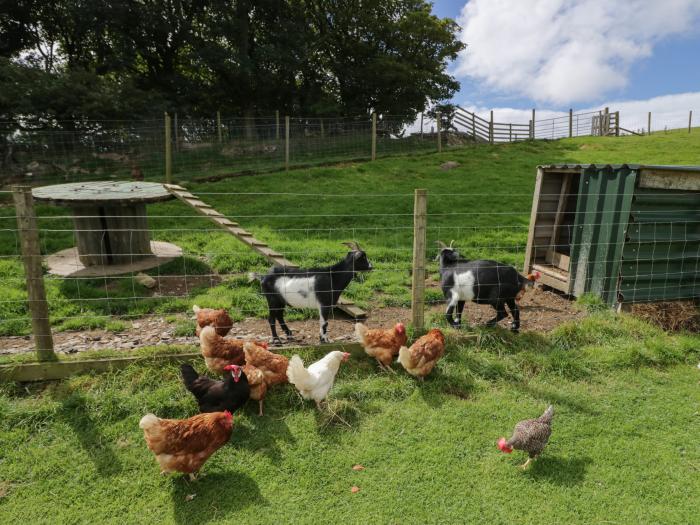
(484, 205)
(624, 447)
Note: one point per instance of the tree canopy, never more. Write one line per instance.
(109, 59)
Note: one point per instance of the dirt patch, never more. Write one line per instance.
(175, 285)
(540, 311)
(671, 316)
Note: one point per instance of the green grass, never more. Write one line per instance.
(623, 450)
(484, 205)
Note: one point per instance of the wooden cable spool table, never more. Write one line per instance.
(111, 227)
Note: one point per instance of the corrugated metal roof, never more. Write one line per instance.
(620, 166)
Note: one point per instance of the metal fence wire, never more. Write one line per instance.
(214, 262)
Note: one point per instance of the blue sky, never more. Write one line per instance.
(556, 54)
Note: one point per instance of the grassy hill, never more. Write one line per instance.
(484, 205)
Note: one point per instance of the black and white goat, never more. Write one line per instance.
(483, 282)
(310, 288)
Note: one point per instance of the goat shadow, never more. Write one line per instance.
(567, 472)
(75, 412)
(216, 496)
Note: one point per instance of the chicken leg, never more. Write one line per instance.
(524, 465)
(260, 407)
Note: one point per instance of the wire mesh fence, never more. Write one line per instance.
(657, 257)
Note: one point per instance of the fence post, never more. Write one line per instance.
(374, 136)
(421, 125)
(218, 125)
(474, 126)
(420, 220)
(606, 122)
(649, 124)
(277, 124)
(168, 151)
(510, 132)
(31, 258)
(175, 130)
(617, 123)
(286, 142)
(571, 122)
(439, 135)
(491, 129)
(323, 131)
(690, 120)
(532, 131)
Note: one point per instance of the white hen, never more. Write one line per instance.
(316, 381)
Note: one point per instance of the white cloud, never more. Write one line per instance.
(565, 51)
(668, 111)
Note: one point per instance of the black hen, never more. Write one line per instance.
(217, 396)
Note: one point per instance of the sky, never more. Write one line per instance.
(633, 56)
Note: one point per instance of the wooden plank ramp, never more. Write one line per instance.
(247, 238)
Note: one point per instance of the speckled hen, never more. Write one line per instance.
(530, 435)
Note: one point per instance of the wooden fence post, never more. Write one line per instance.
(532, 130)
(474, 126)
(571, 122)
(649, 124)
(439, 135)
(617, 123)
(323, 131)
(374, 136)
(177, 133)
(286, 142)
(218, 126)
(420, 220)
(491, 129)
(168, 151)
(510, 132)
(421, 125)
(690, 120)
(277, 124)
(31, 258)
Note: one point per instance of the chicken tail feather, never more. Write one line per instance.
(149, 421)
(548, 414)
(297, 374)
(360, 331)
(189, 375)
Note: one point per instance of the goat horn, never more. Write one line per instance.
(441, 245)
(451, 243)
(352, 245)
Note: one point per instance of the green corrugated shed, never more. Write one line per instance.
(628, 233)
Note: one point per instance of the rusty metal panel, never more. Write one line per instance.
(602, 216)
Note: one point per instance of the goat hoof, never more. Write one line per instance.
(276, 341)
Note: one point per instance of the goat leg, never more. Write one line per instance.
(515, 312)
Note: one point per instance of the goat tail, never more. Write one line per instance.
(253, 276)
(360, 331)
(298, 375)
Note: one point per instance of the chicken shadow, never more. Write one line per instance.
(262, 435)
(213, 496)
(566, 472)
(75, 412)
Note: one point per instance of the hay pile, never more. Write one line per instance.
(672, 316)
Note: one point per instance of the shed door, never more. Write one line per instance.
(602, 216)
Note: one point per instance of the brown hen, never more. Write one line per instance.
(381, 344)
(219, 319)
(273, 366)
(257, 385)
(219, 352)
(420, 359)
(184, 445)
